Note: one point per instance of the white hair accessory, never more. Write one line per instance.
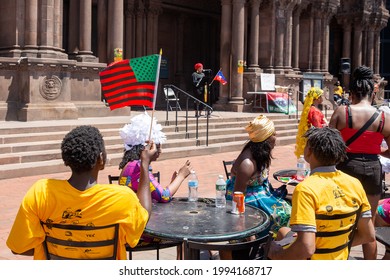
(137, 132)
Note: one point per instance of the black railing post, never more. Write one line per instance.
(176, 123)
(166, 119)
(197, 125)
(187, 134)
(207, 127)
(197, 103)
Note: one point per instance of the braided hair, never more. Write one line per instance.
(362, 84)
(261, 153)
(327, 145)
(81, 148)
(133, 154)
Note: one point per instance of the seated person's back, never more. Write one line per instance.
(80, 200)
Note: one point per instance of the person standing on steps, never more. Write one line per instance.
(198, 82)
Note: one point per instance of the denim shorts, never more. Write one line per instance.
(366, 168)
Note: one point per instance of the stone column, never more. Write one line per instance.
(279, 40)
(288, 40)
(58, 25)
(325, 45)
(74, 23)
(102, 27)
(317, 42)
(357, 45)
(140, 31)
(225, 56)
(85, 35)
(370, 48)
(50, 29)
(238, 31)
(347, 39)
(377, 42)
(46, 27)
(115, 27)
(295, 39)
(311, 44)
(152, 27)
(31, 29)
(129, 50)
(254, 35)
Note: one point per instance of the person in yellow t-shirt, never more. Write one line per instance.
(327, 191)
(337, 93)
(81, 199)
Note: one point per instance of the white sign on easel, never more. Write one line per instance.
(267, 82)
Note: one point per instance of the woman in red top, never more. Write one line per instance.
(363, 162)
(311, 116)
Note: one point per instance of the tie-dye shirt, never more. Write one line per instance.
(130, 177)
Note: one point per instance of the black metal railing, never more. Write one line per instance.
(197, 102)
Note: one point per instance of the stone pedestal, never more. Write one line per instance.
(51, 89)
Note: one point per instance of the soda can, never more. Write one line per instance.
(238, 203)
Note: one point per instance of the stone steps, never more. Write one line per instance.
(35, 149)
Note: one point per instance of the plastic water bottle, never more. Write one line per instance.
(301, 168)
(193, 186)
(220, 188)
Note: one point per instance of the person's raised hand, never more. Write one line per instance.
(149, 151)
(185, 170)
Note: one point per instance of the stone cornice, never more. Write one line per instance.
(36, 64)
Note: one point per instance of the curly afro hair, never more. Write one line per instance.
(81, 148)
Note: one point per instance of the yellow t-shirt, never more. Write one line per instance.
(338, 90)
(57, 201)
(328, 193)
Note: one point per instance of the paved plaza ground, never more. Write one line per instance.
(207, 167)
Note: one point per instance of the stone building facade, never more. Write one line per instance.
(51, 51)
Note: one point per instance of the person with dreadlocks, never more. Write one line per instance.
(327, 191)
(311, 116)
(83, 201)
(363, 128)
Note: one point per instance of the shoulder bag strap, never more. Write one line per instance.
(363, 128)
(349, 117)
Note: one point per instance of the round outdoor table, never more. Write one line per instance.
(201, 221)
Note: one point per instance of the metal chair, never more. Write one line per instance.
(382, 235)
(152, 245)
(385, 187)
(170, 97)
(247, 250)
(115, 179)
(350, 231)
(227, 165)
(76, 242)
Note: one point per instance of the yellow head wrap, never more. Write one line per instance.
(260, 129)
(313, 94)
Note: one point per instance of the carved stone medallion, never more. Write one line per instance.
(51, 87)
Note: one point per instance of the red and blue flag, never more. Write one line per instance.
(221, 78)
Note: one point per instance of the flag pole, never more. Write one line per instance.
(215, 77)
(155, 93)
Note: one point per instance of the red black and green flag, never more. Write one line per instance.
(130, 82)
